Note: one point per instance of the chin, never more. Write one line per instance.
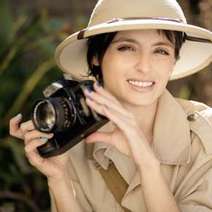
(138, 101)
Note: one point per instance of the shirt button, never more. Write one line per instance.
(192, 117)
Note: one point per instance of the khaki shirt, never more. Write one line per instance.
(182, 141)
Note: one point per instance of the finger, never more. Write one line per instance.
(34, 158)
(95, 106)
(102, 92)
(95, 96)
(98, 88)
(122, 122)
(99, 137)
(98, 98)
(32, 154)
(33, 144)
(35, 134)
(14, 124)
(127, 125)
(101, 109)
(27, 126)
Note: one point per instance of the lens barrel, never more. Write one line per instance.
(56, 113)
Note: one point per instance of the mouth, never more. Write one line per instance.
(141, 85)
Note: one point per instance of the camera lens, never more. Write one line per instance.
(44, 115)
(56, 113)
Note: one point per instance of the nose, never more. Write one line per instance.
(143, 62)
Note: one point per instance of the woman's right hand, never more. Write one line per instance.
(53, 167)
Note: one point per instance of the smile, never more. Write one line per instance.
(141, 84)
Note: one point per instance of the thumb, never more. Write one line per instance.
(99, 137)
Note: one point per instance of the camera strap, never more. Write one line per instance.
(115, 182)
(113, 179)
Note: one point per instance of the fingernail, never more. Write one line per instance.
(19, 116)
(88, 97)
(89, 89)
(50, 136)
(98, 84)
(44, 139)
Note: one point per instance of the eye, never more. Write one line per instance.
(162, 51)
(126, 48)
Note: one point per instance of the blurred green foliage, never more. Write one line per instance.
(27, 44)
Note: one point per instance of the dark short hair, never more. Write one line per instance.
(98, 44)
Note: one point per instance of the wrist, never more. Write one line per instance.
(149, 166)
(58, 180)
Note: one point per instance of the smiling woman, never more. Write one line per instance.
(155, 153)
(143, 60)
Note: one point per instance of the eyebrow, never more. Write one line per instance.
(122, 39)
(163, 44)
(159, 43)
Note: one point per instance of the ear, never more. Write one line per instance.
(95, 61)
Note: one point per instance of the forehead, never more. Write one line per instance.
(142, 35)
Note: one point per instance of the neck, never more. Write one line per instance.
(146, 117)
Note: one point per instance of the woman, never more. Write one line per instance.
(160, 146)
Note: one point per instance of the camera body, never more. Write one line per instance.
(65, 113)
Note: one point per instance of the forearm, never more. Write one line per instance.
(157, 196)
(63, 195)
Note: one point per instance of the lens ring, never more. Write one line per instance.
(69, 112)
(44, 116)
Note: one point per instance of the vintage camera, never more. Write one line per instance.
(65, 113)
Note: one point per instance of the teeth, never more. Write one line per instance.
(140, 83)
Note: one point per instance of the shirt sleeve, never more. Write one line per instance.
(78, 192)
(80, 198)
(199, 200)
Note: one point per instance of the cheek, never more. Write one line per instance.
(108, 71)
(163, 66)
(111, 66)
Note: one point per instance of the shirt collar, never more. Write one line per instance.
(171, 135)
(99, 150)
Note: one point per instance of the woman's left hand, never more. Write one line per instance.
(127, 137)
